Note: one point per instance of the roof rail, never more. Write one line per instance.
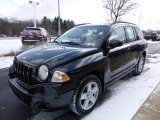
(82, 24)
(124, 22)
(35, 27)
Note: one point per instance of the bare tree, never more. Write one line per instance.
(118, 8)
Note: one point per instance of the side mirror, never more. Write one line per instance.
(115, 43)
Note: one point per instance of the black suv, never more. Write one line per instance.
(74, 69)
(32, 35)
(152, 36)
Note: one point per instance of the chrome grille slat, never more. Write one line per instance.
(23, 73)
(29, 76)
(18, 67)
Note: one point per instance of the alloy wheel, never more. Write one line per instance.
(89, 95)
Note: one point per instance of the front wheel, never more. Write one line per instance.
(140, 65)
(86, 95)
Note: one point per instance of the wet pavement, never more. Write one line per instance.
(150, 110)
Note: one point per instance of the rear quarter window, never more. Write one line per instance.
(139, 34)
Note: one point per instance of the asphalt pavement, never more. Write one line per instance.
(11, 107)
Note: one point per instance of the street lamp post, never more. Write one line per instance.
(34, 3)
(133, 15)
(59, 22)
(139, 19)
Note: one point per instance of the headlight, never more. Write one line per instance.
(43, 73)
(59, 76)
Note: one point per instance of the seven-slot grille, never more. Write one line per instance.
(23, 73)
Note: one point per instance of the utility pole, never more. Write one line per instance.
(133, 15)
(34, 3)
(59, 20)
(139, 19)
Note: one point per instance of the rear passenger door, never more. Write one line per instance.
(140, 42)
(132, 42)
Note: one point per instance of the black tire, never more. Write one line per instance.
(24, 43)
(76, 104)
(137, 70)
(45, 39)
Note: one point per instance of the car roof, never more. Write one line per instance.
(34, 28)
(110, 24)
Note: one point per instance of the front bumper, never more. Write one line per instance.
(43, 97)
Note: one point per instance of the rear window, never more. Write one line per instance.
(32, 31)
(153, 34)
(147, 34)
(138, 33)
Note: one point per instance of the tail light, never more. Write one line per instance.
(23, 35)
(40, 35)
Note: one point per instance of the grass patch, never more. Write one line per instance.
(30, 45)
(11, 53)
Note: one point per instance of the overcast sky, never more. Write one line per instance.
(82, 11)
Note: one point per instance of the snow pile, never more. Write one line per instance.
(153, 58)
(123, 99)
(6, 62)
(152, 42)
(7, 46)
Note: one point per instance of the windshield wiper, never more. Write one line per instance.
(71, 43)
(56, 42)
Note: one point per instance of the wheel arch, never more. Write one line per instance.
(97, 73)
(144, 53)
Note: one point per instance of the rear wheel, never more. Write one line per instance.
(24, 43)
(86, 95)
(140, 65)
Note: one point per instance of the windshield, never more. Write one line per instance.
(31, 31)
(87, 36)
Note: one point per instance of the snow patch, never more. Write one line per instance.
(126, 96)
(7, 46)
(153, 42)
(6, 62)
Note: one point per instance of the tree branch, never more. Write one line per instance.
(118, 8)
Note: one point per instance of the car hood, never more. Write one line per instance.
(52, 54)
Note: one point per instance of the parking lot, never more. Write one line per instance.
(130, 93)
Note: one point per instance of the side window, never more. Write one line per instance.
(138, 34)
(130, 34)
(118, 34)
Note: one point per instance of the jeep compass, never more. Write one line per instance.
(74, 70)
